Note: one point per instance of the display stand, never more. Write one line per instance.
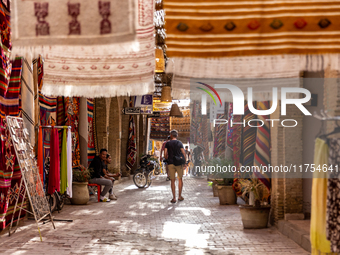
(30, 183)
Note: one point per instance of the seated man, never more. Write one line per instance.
(109, 176)
(97, 177)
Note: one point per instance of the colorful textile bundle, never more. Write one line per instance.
(75, 69)
(333, 191)
(6, 46)
(241, 28)
(63, 164)
(69, 163)
(72, 119)
(132, 147)
(262, 149)
(47, 106)
(318, 238)
(54, 173)
(9, 102)
(91, 150)
(10, 173)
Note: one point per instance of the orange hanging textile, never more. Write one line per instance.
(40, 156)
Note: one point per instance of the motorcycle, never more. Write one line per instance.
(144, 174)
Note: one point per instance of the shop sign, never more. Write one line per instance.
(131, 110)
(154, 115)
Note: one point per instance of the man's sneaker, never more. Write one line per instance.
(113, 197)
(105, 200)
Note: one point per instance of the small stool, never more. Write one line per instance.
(99, 189)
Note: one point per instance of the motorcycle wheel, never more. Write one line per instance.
(148, 184)
(53, 202)
(139, 179)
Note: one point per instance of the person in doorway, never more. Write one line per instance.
(109, 176)
(164, 160)
(187, 160)
(97, 166)
(175, 148)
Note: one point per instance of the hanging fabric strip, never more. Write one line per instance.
(27, 98)
(54, 174)
(63, 165)
(262, 149)
(230, 130)
(333, 191)
(69, 163)
(318, 239)
(40, 155)
(237, 147)
(91, 150)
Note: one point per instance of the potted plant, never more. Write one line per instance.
(213, 184)
(226, 193)
(80, 192)
(256, 215)
(221, 180)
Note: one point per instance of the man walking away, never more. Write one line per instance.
(97, 175)
(164, 160)
(174, 148)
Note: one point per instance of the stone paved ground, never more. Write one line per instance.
(145, 222)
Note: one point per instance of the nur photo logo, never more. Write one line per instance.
(238, 101)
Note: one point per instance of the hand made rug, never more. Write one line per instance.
(116, 69)
(91, 150)
(225, 28)
(70, 22)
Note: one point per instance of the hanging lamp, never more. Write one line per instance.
(166, 94)
(175, 111)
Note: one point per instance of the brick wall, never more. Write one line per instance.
(286, 143)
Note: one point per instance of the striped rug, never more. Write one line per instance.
(220, 138)
(224, 28)
(248, 137)
(5, 45)
(91, 150)
(262, 148)
(9, 104)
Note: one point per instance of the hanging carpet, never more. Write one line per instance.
(10, 173)
(115, 69)
(64, 22)
(238, 28)
(72, 119)
(91, 150)
(132, 147)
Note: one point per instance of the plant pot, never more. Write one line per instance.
(254, 217)
(215, 190)
(80, 193)
(226, 195)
